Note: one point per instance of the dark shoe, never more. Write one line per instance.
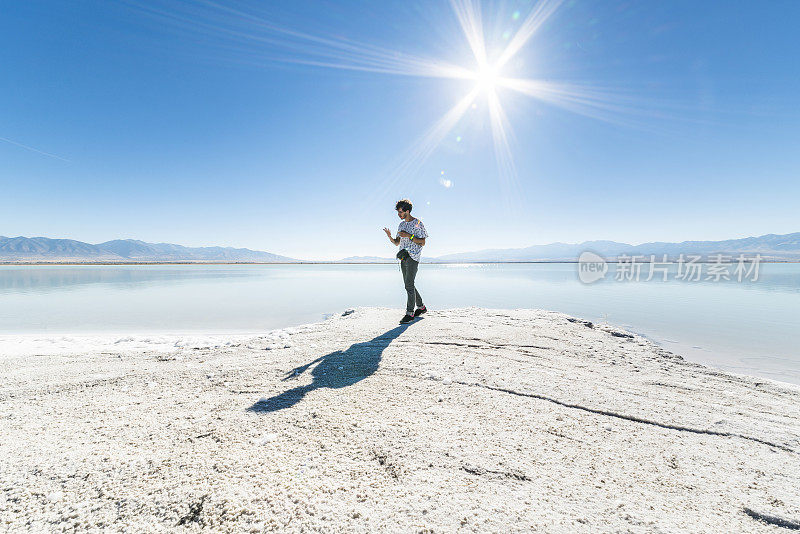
(420, 311)
(406, 319)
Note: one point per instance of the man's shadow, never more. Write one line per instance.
(334, 370)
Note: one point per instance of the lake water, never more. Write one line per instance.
(749, 327)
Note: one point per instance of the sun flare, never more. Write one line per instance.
(484, 72)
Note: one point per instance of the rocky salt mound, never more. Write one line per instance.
(470, 419)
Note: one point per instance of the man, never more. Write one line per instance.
(411, 236)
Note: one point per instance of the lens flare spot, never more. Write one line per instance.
(447, 184)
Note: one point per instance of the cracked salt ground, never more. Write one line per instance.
(473, 420)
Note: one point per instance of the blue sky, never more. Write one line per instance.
(188, 123)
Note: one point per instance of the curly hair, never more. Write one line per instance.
(404, 205)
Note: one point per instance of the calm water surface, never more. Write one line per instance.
(745, 327)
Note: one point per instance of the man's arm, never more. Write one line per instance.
(418, 240)
(395, 240)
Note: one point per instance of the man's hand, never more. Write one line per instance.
(395, 240)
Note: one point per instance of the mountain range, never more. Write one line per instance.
(37, 249)
(770, 246)
(123, 250)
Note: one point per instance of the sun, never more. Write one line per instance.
(486, 78)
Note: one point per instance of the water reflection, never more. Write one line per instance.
(46, 278)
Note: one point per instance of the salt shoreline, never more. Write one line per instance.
(474, 419)
(65, 344)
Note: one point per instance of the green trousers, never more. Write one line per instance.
(409, 268)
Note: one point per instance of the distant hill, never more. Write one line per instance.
(122, 250)
(770, 246)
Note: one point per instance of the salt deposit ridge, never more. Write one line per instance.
(467, 419)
